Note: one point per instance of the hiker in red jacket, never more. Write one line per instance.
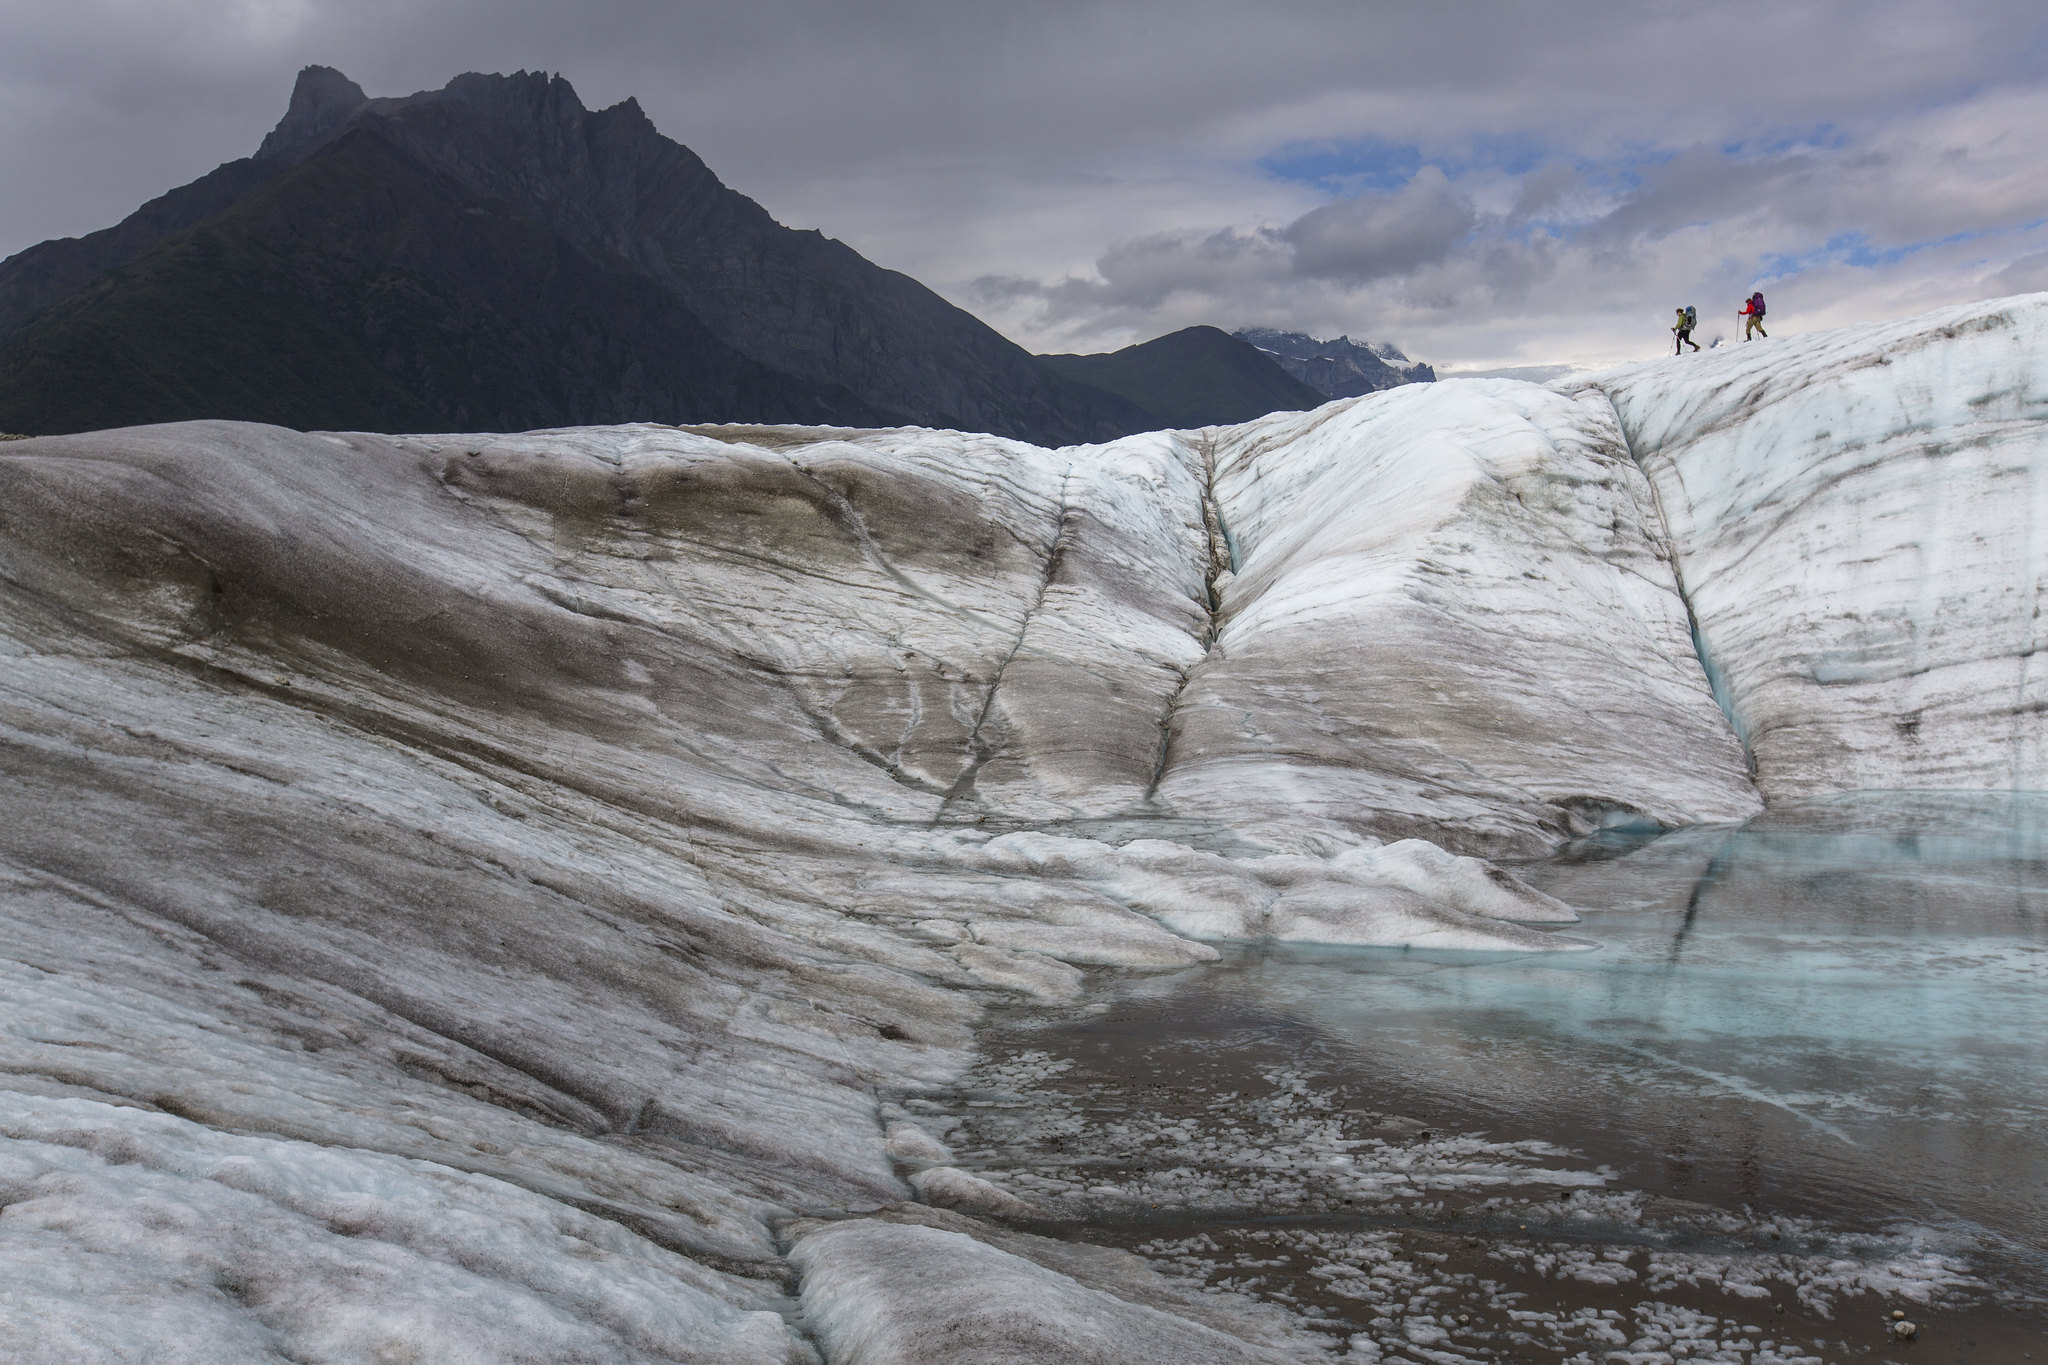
(1754, 311)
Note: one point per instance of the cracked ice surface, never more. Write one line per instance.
(1452, 615)
(478, 860)
(571, 831)
(1859, 517)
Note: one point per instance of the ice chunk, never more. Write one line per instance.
(1388, 916)
(1131, 942)
(1026, 972)
(910, 1143)
(1468, 884)
(879, 1293)
(952, 1188)
(1406, 894)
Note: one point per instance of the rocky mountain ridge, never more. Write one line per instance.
(1338, 369)
(843, 337)
(1196, 377)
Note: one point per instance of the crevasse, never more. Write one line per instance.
(466, 893)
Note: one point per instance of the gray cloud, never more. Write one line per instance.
(1376, 235)
(1545, 189)
(2028, 275)
(1089, 171)
(1698, 185)
(1351, 241)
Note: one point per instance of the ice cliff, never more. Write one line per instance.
(1858, 518)
(478, 896)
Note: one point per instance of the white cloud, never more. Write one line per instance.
(1931, 206)
(1088, 172)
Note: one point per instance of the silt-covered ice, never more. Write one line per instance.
(521, 868)
(1859, 518)
(1451, 614)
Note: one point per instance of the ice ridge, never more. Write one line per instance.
(468, 895)
(1858, 518)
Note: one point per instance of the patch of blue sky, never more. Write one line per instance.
(1364, 165)
(1821, 137)
(1783, 265)
(1855, 249)
(1345, 167)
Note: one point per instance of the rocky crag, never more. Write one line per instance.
(1338, 369)
(493, 256)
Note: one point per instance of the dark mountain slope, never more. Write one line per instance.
(612, 186)
(49, 272)
(360, 290)
(1196, 377)
(798, 301)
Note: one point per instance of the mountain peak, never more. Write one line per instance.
(322, 101)
(325, 103)
(1342, 368)
(520, 89)
(489, 194)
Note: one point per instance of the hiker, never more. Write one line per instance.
(1688, 318)
(1754, 311)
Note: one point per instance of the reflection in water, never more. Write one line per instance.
(1858, 986)
(1819, 1036)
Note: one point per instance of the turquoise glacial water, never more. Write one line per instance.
(1839, 1009)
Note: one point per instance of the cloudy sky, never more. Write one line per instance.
(1489, 184)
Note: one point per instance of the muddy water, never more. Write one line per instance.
(1801, 1087)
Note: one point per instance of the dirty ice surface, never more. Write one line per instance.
(506, 897)
(1857, 520)
(1803, 1084)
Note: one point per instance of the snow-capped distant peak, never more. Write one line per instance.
(1342, 368)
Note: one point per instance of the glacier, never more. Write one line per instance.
(493, 897)
(1452, 616)
(1856, 523)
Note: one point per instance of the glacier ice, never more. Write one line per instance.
(133, 1235)
(484, 858)
(1451, 614)
(890, 1293)
(1857, 518)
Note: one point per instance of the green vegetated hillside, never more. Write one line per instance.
(1196, 377)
